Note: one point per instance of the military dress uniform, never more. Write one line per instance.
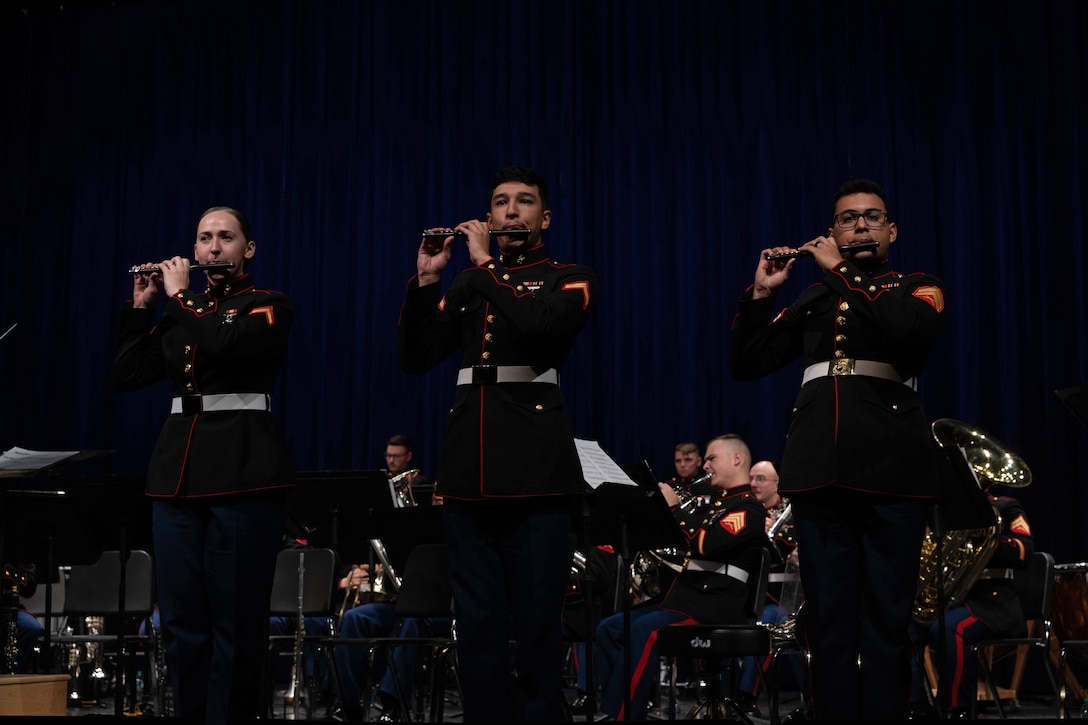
(990, 609)
(858, 465)
(218, 478)
(508, 466)
(725, 544)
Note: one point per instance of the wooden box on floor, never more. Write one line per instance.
(33, 694)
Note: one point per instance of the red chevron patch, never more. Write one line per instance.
(932, 295)
(735, 522)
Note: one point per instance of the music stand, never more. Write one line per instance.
(338, 510)
(631, 519)
(1076, 399)
(962, 505)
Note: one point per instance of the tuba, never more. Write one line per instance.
(964, 553)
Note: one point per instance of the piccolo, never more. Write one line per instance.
(843, 249)
(492, 232)
(214, 266)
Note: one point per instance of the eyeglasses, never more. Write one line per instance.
(761, 478)
(395, 455)
(874, 218)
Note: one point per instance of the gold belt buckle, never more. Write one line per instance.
(843, 366)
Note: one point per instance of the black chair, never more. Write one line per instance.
(302, 587)
(1035, 587)
(94, 591)
(717, 643)
(423, 592)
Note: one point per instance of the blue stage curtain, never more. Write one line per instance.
(679, 138)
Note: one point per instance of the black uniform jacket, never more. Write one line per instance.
(227, 340)
(728, 531)
(995, 601)
(859, 432)
(503, 439)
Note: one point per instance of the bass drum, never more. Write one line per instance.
(1070, 613)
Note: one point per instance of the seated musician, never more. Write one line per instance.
(725, 543)
(764, 482)
(990, 608)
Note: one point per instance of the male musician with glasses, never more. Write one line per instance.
(858, 463)
(509, 472)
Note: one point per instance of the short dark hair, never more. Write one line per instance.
(400, 440)
(524, 175)
(860, 186)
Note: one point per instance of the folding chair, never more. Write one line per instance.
(1035, 587)
(302, 587)
(94, 590)
(424, 592)
(714, 643)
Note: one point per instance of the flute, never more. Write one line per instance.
(492, 232)
(843, 249)
(213, 267)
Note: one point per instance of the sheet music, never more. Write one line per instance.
(598, 467)
(21, 460)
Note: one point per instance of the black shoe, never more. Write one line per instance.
(578, 706)
(958, 715)
(797, 713)
(922, 711)
(747, 703)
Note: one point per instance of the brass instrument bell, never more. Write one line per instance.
(990, 460)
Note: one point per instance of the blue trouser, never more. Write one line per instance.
(645, 662)
(960, 668)
(406, 659)
(509, 568)
(214, 568)
(374, 619)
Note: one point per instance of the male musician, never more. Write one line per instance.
(398, 460)
(689, 468)
(991, 608)
(858, 464)
(764, 483)
(725, 543)
(509, 470)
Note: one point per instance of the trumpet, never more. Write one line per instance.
(213, 267)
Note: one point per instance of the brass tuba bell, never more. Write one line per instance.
(965, 553)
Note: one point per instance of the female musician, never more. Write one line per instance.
(220, 470)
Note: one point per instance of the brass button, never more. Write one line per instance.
(840, 337)
(794, 411)
(491, 265)
(840, 320)
(198, 309)
(189, 387)
(188, 349)
(538, 406)
(839, 354)
(491, 318)
(843, 269)
(189, 303)
(506, 276)
(486, 355)
(872, 288)
(857, 278)
(844, 306)
(188, 367)
(488, 337)
(895, 407)
(462, 310)
(520, 288)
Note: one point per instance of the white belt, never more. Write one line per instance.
(191, 404)
(779, 577)
(996, 574)
(716, 567)
(850, 366)
(491, 374)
